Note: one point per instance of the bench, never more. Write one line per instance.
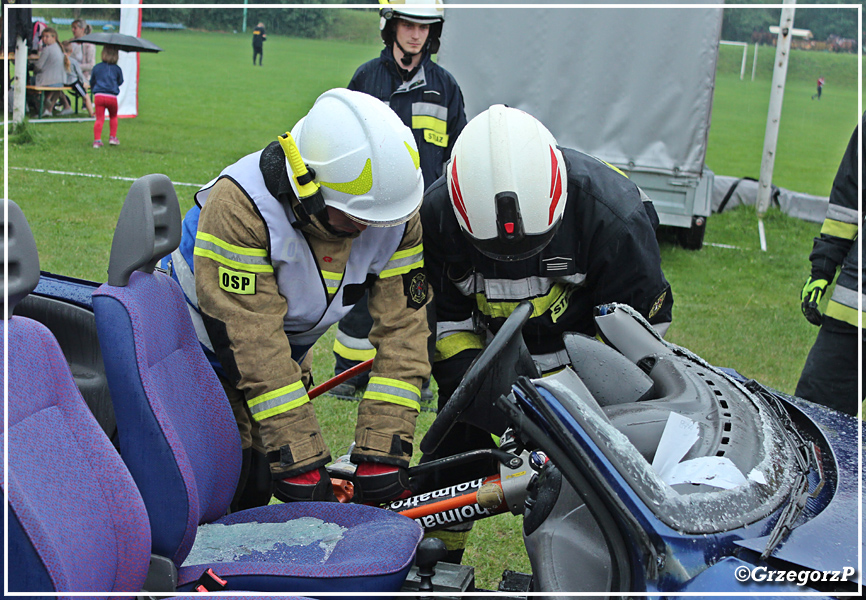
(45, 89)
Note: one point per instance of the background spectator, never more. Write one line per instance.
(50, 68)
(83, 52)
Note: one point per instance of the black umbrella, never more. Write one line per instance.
(127, 43)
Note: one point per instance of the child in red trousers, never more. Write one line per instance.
(105, 81)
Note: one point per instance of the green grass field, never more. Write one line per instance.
(203, 105)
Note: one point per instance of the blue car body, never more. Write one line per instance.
(666, 559)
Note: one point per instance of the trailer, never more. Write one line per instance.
(631, 85)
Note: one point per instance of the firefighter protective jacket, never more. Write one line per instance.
(267, 286)
(429, 102)
(605, 250)
(837, 243)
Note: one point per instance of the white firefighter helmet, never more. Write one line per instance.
(425, 12)
(507, 182)
(363, 157)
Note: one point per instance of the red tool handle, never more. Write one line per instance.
(338, 379)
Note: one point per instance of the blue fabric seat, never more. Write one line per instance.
(178, 437)
(77, 522)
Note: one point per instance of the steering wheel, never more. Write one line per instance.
(489, 376)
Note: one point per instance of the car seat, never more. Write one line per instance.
(77, 522)
(178, 437)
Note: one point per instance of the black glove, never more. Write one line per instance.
(377, 483)
(811, 296)
(313, 485)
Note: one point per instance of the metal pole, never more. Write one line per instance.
(755, 61)
(244, 30)
(777, 93)
(19, 84)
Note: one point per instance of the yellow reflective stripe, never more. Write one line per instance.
(353, 353)
(278, 401)
(254, 260)
(428, 122)
(414, 154)
(846, 231)
(842, 312)
(404, 261)
(231, 247)
(394, 391)
(540, 305)
(456, 343)
(332, 281)
(617, 169)
(359, 186)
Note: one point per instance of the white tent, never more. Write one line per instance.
(632, 85)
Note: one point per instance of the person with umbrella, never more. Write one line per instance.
(105, 81)
(83, 52)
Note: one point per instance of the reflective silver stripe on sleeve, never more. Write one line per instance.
(287, 401)
(404, 261)
(245, 259)
(470, 286)
(842, 214)
(446, 328)
(354, 343)
(380, 388)
(846, 297)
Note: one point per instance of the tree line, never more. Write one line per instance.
(739, 24)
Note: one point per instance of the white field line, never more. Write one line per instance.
(94, 175)
(722, 246)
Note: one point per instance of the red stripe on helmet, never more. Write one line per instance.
(555, 185)
(457, 196)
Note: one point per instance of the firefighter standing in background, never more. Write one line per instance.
(283, 243)
(259, 37)
(518, 218)
(427, 99)
(829, 376)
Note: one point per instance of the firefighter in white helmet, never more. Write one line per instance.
(427, 99)
(519, 218)
(277, 249)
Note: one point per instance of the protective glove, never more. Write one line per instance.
(314, 485)
(811, 295)
(376, 483)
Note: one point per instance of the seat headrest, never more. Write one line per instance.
(21, 256)
(149, 228)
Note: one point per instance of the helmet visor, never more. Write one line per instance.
(391, 223)
(414, 19)
(526, 247)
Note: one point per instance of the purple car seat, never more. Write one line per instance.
(179, 439)
(77, 522)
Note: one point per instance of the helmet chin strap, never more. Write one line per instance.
(407, 57)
